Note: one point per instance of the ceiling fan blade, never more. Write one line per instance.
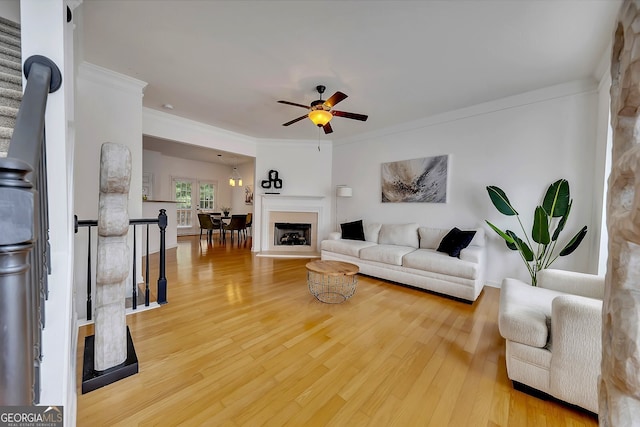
(335, 98)
(327, 128)
(354, 116)
(294, 104)
(295, 120)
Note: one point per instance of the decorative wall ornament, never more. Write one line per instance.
(417, 180)
(273, 181)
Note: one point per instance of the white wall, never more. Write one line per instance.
(46, 32)
(238, 205)
(10, 9)
(520, 144)
(109, 109)
(603, 168)
(304, 169)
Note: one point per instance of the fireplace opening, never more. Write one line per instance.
(291, 234)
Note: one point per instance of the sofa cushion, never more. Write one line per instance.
(455, 241)
(372, 231)
(438, 262)
(524, 310)
(388, 254)
(430, 238)
(399, 235)
(352, 230)
(478, 238)
(345, 247)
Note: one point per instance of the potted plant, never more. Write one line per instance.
(551, 215)
(225, 210)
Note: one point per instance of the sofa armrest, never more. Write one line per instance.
(570, 282)
(576, 350)
(474, 254)
(335, 235)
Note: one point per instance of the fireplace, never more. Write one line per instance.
(290, 226)
(291, 234)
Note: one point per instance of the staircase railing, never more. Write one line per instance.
(161, 290)
(24, 240)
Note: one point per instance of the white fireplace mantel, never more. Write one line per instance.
(290, 203)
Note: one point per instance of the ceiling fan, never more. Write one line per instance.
(320, 111)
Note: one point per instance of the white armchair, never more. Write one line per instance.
(553, 334)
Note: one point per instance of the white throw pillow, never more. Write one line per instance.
(371, 231)
(430, 238)
(478, 238)
(399, 234)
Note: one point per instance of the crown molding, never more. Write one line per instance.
(112, 79)
(526, 98)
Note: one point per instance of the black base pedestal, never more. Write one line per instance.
(92, 379)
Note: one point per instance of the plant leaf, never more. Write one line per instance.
(562, 223)
(524, 249)
(574, 242)
(501, 233)
(556, 200)
(540, 232)
(500, 201)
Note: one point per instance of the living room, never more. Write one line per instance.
(521, 142)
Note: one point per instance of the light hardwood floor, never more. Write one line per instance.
(242, 342)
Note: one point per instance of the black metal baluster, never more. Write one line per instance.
(89, 303)
(146, 275)
(134, 291)
(162, 279)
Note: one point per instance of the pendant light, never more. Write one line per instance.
(235, 178)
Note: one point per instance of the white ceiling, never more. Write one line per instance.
(226, 63)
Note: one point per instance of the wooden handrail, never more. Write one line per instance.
(24, 241)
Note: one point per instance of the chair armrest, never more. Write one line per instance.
(576, 350)
(335, 235)
(570, 282)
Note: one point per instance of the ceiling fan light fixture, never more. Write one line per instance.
(320, 117)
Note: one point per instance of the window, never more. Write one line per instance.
(207, 195)
(184, 208)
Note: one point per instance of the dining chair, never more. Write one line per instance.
(238, 223)
(248, 223)
(207, 223)
(216, 217)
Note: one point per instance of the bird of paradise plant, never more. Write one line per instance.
(551, 215)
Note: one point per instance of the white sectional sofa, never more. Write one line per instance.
(553, 334)
(406, 253)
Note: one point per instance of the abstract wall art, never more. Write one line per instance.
(417, 180)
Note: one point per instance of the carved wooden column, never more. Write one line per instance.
(109, 354)
(619, 403)
(112, 267)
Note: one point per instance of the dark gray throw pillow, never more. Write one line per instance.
(455, 241)
(352, 230)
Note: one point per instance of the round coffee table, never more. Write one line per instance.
(332, 282)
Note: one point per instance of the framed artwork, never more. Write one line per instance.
(147, 185)
(248, 195)
(417, 180)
